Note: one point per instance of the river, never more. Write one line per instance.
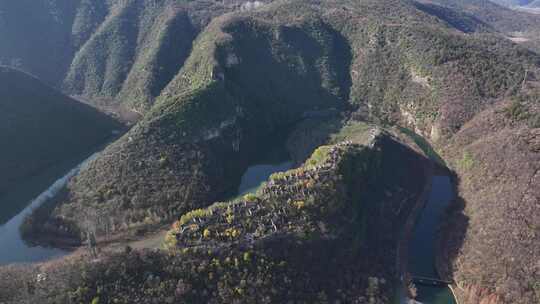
(28, 196)
(422, 247)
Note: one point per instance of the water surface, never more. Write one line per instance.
(422, 248)
(274, 160)
(257, 174)
(30, 195)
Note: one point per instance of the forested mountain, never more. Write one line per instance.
(105, 50)
(219, 81)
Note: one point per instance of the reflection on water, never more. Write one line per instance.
(257, 174)
(20, 202)
(275, 160)
(12, 248)
(434, 295)
(422, 248)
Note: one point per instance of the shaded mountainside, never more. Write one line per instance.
(40, 127)
(105, 50)
(341, 207)
(511, 3)
(43, 32)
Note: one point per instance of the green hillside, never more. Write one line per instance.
(250, 75)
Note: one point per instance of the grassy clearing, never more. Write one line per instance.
(424, 145)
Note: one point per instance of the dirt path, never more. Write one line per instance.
(150, 242)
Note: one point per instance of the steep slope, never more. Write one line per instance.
(492, 241)
(52, 29)
(131, 38)
(39, 127)
(106, 51)
(520, 26)
(138, 49)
